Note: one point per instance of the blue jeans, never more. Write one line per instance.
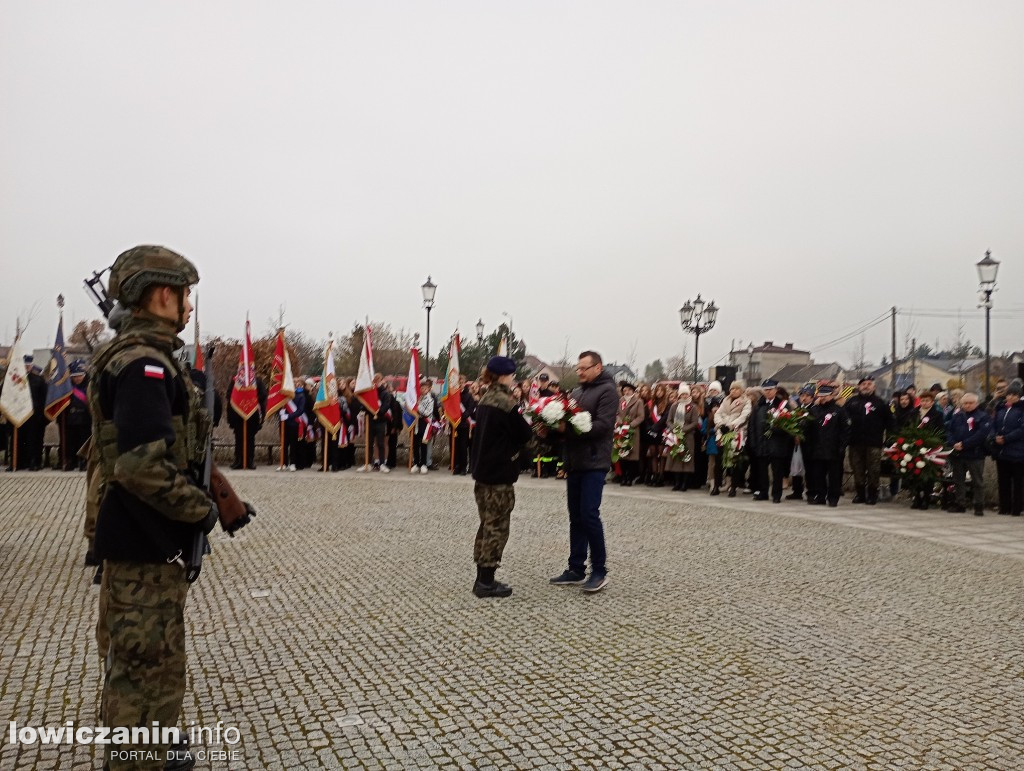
(585, 528)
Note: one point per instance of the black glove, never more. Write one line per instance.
(211, 519)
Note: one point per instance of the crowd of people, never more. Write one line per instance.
(686, 437)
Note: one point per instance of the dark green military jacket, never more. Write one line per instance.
(149, 441)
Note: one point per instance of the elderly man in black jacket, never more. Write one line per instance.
(870, 420)
(769, 449)
(588, 457)
(828, 432)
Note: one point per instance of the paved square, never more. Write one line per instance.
(339, 631)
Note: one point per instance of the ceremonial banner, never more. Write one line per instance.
(451, 396)
(326, 406)
(244, 399)
(16, 399)
(282, 381)
(411, 397)
(58, 388)
(366, 391)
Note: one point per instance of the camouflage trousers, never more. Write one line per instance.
(141, 631)
(495, 503)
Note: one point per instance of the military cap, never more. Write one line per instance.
(808, 389)
(28, 358)
(866, 379)
(826, 390)
(143, 266)
(501, 365)
(627, 383)
(77, 367)
(769, 383)
(1016, 387)
(543, 376)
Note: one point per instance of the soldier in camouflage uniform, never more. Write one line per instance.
(499, 436)
(148, 441)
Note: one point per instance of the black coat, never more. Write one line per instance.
(933, 420)
(870, 419)
(37, 389)
(78, 409)
(499, 436)
(828, 432)
(778, 444)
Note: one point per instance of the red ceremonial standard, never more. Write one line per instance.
(244, 399)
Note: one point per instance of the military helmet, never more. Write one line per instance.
(143, 266)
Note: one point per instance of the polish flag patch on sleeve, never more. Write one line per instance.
(154, 371)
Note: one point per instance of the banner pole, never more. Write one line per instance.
(14, 466)
(325, 450)
(451, 449)
(63, 441)
(282, 443)
(412, 437)
(366, 440)
(245, 443)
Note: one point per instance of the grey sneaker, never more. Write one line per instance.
(596, 582)
(567, 578)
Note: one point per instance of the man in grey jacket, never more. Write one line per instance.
(588, 457)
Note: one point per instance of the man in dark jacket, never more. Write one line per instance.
(395, 426)
(870, 420)
(78, 423)
(1007, 438)
(828, 431)
(464, 428)
(966, 434)
(588, 457)
(498, 438)
(32, 431)
(769, 449)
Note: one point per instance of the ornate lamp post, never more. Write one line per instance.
(750, 363)
(697, 318)
(428, 289)
(987, 271)
(480, 331)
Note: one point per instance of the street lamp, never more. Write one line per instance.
(750, 363)
(697, 319)
(480, 331)
(428, 290)
(987, 271)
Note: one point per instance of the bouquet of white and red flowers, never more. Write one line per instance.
(553, 411)
(918, 457)
(622, 441)
(789, 421)
(675, 444)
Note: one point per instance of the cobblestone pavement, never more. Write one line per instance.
(339, 631)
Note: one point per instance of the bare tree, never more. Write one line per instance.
(90, 333)
(677, 367)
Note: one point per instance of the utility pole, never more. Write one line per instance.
(892, 372)
(913, 361)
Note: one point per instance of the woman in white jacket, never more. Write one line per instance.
(732, 417)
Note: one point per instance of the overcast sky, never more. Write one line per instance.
(584, 166)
